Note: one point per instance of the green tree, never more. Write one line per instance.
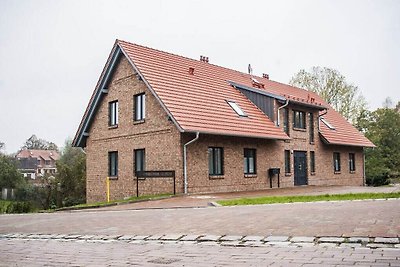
(37, 143)
(334, 89)
(382, 127)
(9, 175)
(71, 175)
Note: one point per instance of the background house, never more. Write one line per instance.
(33, 163)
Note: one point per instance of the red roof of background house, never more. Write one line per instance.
(36, 153)
(198, 102)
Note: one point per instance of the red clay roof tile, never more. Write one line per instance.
(198, 101)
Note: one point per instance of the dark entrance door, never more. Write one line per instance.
(300, 168)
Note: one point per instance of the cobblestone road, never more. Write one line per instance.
(53, 252)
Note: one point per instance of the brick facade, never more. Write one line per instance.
(163, 145)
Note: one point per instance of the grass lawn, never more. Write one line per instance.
(291, 199)
(116, 202)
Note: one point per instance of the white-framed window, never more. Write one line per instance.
(236, 108)
(140, 107)
(336, 162)
(113, 113)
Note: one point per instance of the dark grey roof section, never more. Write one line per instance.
(263, 102)
(305, 104)
(254, 90)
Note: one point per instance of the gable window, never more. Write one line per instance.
(236, 108)
(299, 119)
(311, 123)
(249, 161)
(140, 107)
(113, 113)
(336, 162)
(215, 161)
(140, 160)
(352, 162)
(113, 164)
(312, 162)
(286, 120)
(287, 161)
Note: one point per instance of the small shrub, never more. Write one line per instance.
(378, 177)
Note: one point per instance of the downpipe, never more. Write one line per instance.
(279, 114)
(185, 179)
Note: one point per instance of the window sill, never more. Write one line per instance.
(139, 122)
(288, 174)
(299, 129)
(312, 143)
(113, 126)
(352, 172)
(113, 177)
(312, 173)
(336, 172)
(215, 177)
(250, 175)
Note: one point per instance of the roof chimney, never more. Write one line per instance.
(266, 76)
(204, 59)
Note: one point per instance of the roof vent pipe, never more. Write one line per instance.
(185, 180)
(204, 59)
(266, 76)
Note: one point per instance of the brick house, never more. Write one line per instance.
(34, 163)
(219, 129)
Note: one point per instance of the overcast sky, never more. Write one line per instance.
(52, 52)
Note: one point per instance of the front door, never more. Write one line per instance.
(300, 168)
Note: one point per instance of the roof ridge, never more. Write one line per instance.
(192, 59)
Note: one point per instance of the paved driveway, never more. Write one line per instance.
(349, 218)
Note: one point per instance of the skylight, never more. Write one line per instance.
(330, 126)
(236, 108)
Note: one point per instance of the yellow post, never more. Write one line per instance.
(108, 188)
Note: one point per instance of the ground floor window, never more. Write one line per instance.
(249, 161)
(312, 161)
(113, 163)
(336, 162)
(352, 162)
(140, 160)
(287, 161)
(215, 161)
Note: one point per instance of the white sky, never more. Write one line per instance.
(52, 52)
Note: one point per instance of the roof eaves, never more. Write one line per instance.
(152, 90)
(258, 91)
(237, 135)
(300, 103)
(327, 142)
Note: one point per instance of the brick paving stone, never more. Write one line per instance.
(253, 243)
(126, 237)
(302, 244)
(331, 239)
(209, 238)
(154, 237)
(253, 238)
(273, 238)
(326, 245)
(172, 237)
(72, 236)
(350, 245)
(359, 239)
(386, 240)
(59, 236)
(111, 237)
(300, 239)
(190, 238)
(84, 237)
(279, 244)
(232, 243)
(378, 245)
(231, 238)
(140, 237)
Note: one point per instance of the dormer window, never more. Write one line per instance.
(236, 108)
(330, 126)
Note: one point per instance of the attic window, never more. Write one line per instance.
(236, 108)
(327, 123)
